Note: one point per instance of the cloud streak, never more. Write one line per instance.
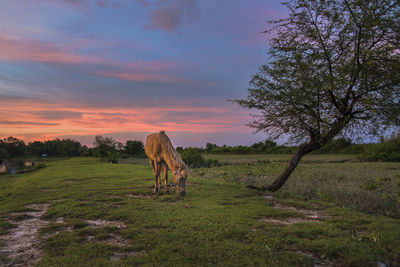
(13, 48)
(16, 49)
(83, 3)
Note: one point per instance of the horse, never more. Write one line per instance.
(162, 155)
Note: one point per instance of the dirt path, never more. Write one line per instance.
(22, 245)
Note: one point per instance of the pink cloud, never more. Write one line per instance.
(16, 49)
(82, 3)
(142, 77)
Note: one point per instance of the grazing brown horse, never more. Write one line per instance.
(162, 156)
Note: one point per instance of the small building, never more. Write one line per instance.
(44, 155)
(3, 168)
(28, 163)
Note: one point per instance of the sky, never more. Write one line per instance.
(127, 68)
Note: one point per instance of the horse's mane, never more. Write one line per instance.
(170, 150)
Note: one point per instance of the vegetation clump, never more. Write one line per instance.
(386, 151)
(194, 159)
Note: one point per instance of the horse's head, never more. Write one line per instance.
(179, 179)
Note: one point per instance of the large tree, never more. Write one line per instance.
(333, 66)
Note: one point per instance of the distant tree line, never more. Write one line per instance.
(388, 149)
(268, 146)
(105, 147)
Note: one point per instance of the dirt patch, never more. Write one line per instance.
(104, 223)
(311, 216)
(140, 196)
(22, 244)
(317, 262)
(112, 239)
(288, 221)
(60, 220)
(116, 240)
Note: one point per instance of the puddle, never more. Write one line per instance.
(22, 244)
(104, 223)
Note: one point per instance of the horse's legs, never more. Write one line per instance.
(152, 165)
(165, 168)
(157, 169)
(160, 167)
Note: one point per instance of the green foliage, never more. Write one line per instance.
(40, 165)
(261, 147)
(210, 146)
(55, 148)
(193, 158)
(387, 151)
(4, 153)
(134, 147)
(336, 145)
(11, 147)
(106, 148)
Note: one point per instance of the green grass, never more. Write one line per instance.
(253, 158)
(217, 223)
(372, 187)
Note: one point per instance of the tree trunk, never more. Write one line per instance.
(293, 162)
(303, 150)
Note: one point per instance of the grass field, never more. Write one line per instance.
(92, 215)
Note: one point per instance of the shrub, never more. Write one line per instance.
(387, 151)
(193, 158)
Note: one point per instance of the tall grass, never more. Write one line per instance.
(372, 187)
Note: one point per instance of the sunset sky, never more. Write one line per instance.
(126, 68)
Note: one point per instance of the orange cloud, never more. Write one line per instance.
(35, 120)
(142, 77)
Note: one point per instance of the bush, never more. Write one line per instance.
(40, 165)
(339, 145)
(387, 151)
(193, 158)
